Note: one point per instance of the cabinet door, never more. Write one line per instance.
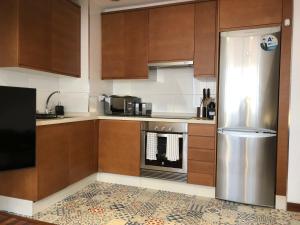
(246, 13)
(202, 154)
(119, 147)
(52, 159)
(9, 33)
(205, 38)
(125, 45)
(35, 34)
(82, 154)
(171, 33)
(65, 38)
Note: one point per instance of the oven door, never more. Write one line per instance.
(161, 164)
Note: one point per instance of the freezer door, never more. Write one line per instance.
(246, 165)
(249, 75)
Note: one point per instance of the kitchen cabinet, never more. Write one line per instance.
(201, 154)
(38, 35)
(35, 34)
(66, 38)
(205, 38)
(247, 13)
(119, 147)
(62, 157)
(171, 33)
(52, 159)
(20, 183)
(83, 150)
(124, 45)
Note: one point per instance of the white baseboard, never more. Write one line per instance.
(280, 202)
(58, 196)
(28, 208)
(157, 184)
(15, 205)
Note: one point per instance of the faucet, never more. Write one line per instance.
(47, 110)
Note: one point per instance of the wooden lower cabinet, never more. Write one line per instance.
(119, 147)
(65, 154)
(202, 154)
(82, 152)
(52, 159)
(21, 183)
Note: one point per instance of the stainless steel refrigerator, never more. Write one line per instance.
(247, 123)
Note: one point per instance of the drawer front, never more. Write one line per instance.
(201, 167)
(202, 130)
(203, 155)
(201, 179)
(202, 142)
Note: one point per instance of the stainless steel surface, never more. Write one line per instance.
(47, 109)
(119, 105)
(170, 64)
(246, 165)
(143, 109)
(166, 128)
(247, 125)
(249, 75)
(164, 175)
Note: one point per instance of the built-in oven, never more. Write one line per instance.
(164, 150)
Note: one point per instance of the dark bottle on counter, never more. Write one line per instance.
(203, 105)
(211, 110)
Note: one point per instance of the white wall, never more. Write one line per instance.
(97, 86)
(294, 144)
(174, 91)
(74, 91)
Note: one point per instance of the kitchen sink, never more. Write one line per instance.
(45, 116)
(49, 116)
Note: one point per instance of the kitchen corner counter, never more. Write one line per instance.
(85, 117)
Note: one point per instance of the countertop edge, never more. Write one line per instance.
(97, 117)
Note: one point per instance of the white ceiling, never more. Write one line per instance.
(108, 4)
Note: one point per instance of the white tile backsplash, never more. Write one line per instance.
(175, 90)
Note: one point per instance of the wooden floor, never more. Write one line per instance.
(8, 219)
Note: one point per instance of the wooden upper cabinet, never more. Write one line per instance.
(41, 35)
(119, 147)
(35, 34)
(171, 33)
(205, 38)
(9, 33)
(125, 45)
(247, 13)
(65, 38)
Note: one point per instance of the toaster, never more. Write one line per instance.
(143, 109)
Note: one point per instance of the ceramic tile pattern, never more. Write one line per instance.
(112, 204)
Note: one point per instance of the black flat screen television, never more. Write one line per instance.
(17, 127)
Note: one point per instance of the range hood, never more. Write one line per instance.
(170, 64)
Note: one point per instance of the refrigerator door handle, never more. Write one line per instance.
(248, 130)
(247, 134)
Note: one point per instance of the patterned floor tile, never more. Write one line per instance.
(111, 204)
